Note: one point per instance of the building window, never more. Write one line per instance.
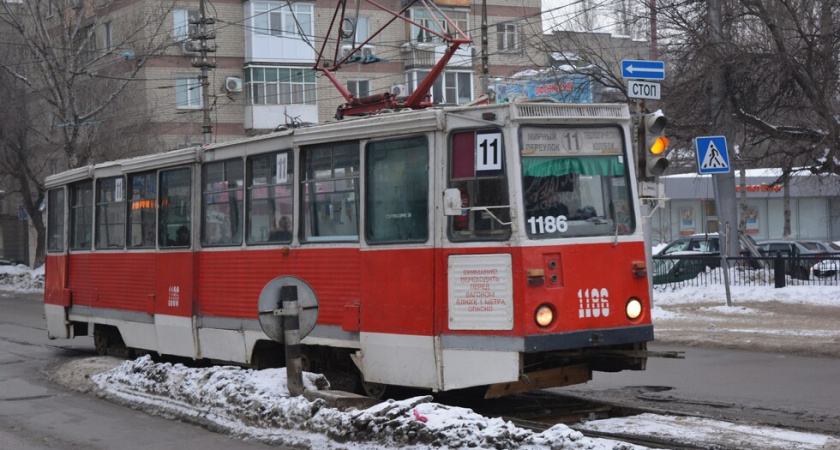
(187, 93)
(451, 88)
(86, 41)
(283, 19)
(359, 88)
(424, 18)
(107, 38)
(184, 23)
(222, 198)
(280, 86)
(507, 37)
(361, 32)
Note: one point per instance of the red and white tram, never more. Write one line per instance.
(448, 248)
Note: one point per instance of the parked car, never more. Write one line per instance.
(687, 256)
(799, 257)
(673, 270)
(822, 246)
(697, 243)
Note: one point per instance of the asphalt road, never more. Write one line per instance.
(35, 414)
(785, 390)
(789, 391)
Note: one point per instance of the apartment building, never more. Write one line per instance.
(265, 52)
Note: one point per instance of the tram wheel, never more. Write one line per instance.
(375, 390)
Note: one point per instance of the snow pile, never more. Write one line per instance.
(20, 278)
(256, 404)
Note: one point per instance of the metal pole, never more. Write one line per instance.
(485, 65)
(207, 127)
(291, 339)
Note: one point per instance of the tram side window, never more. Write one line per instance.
(330, 192)
(110, 213)
(270, 202)
(174, 215)
(81, 215)
(55, 220)
(397, 199)
(477, 169)
(222, 203)
(143, 203)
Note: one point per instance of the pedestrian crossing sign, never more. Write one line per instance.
(712, 155)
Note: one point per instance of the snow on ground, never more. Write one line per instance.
(256, 405)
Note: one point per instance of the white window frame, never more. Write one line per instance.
(181, 26)
(359, 88)
(445, 86)
(107, 37)
(286, 84)
(461, 18)
(281, 19)
(507, 35)
(362, 32)
(188, 88)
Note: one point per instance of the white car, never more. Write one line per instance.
(826, 268)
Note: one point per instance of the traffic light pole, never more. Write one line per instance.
(645, 208)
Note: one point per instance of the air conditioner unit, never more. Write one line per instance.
(399, 90)
(345, 50)
(188, 46)
(233, 84)
(368, 51)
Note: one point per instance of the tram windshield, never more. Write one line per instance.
(575, 182)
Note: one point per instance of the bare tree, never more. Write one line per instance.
(67, 69)
(781, 67)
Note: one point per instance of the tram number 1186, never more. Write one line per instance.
(548, 224)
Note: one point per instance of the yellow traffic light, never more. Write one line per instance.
(656, 144)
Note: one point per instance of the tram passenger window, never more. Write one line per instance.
(330, 192)
(142, 202)
(477, 169)
(174, 214)
(397, 203)
(55, 220)
(222, 203)
(270, 179)
(110, 213)
(81, 215)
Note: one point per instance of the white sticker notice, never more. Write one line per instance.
(480, 292)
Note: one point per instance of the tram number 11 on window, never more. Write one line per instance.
(488, 151)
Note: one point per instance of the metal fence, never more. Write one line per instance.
(778, 271)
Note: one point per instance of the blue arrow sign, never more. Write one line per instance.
(712, 155)
(645, 70)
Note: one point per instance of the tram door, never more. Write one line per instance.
(174, 265)
(56, 294)
(398, 263)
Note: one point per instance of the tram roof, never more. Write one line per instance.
(374, 126)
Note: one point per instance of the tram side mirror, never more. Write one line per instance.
(452, 202)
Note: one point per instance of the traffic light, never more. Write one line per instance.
(656, 144)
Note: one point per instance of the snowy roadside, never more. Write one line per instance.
(256, 405)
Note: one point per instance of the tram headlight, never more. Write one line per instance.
(544, 315)
(633, 309)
